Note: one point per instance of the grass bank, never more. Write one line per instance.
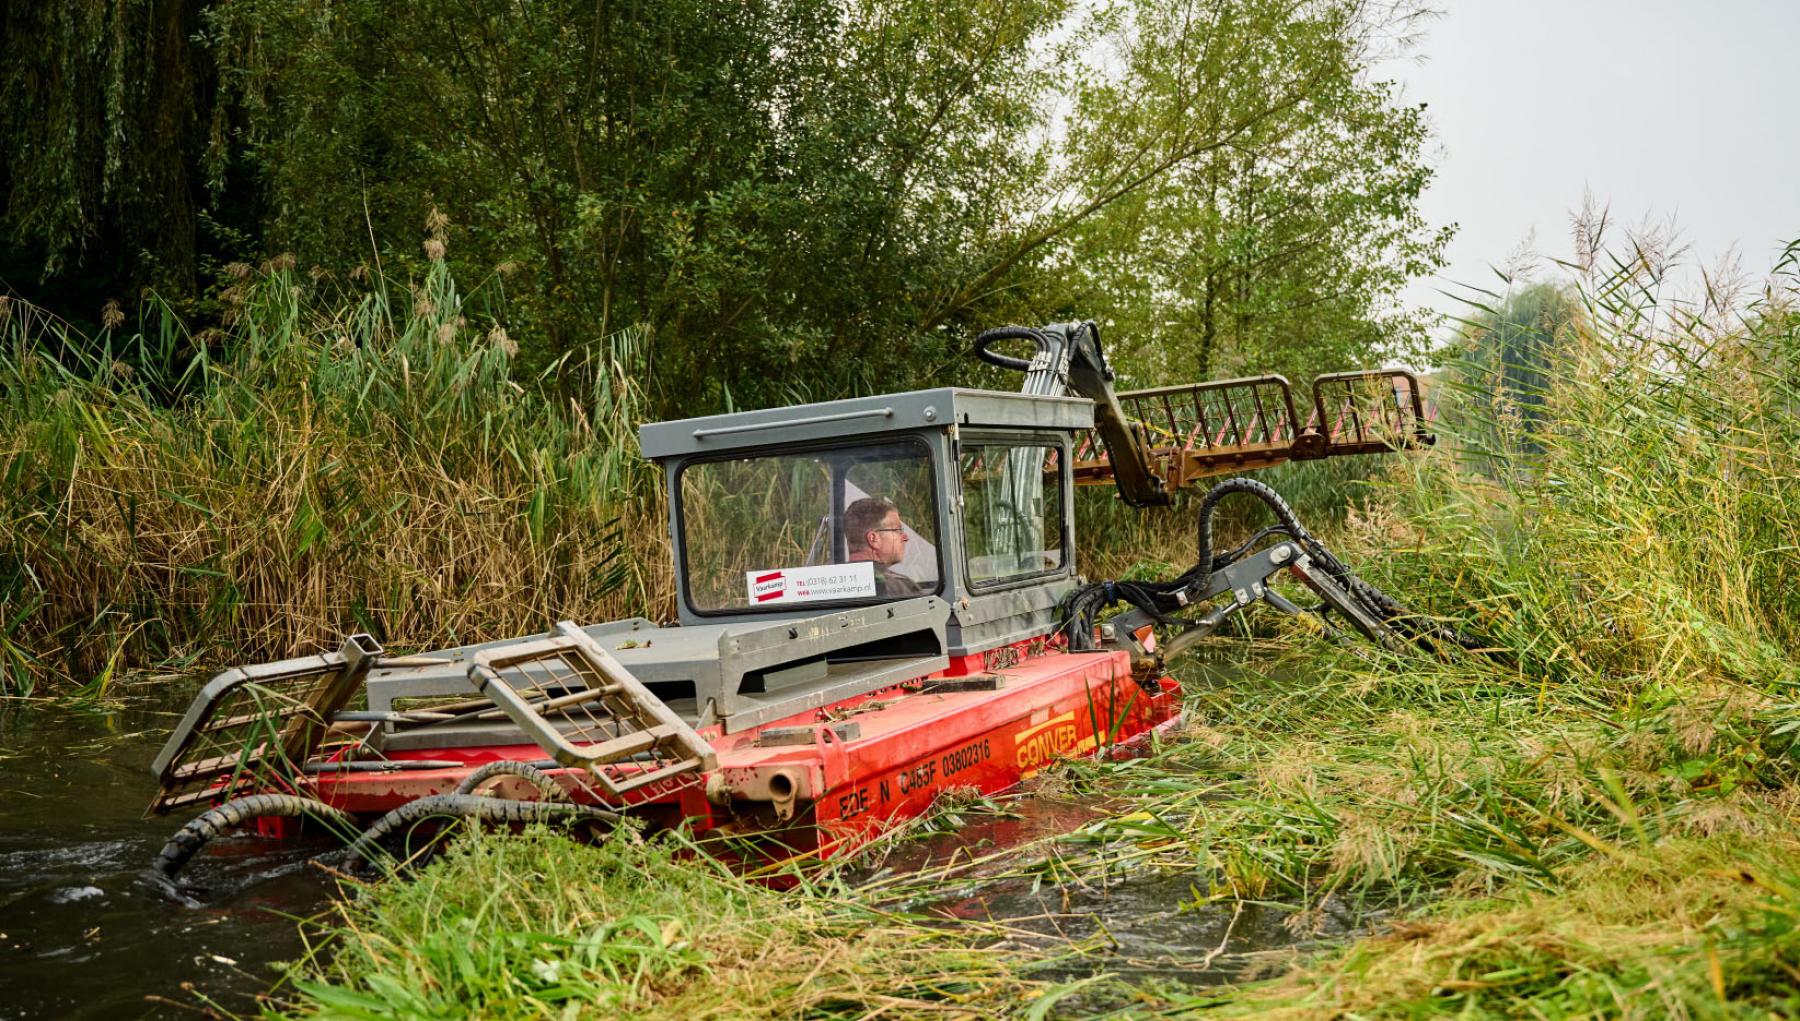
(537, 927)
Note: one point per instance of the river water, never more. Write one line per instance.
(87, 929)
(1154, 925)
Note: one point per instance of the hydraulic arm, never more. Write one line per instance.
(1230, 581)
(1068, 357)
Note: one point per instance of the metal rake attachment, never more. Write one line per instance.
(572, 697)
(252, 727)
(1196, 431)
(1369, 412)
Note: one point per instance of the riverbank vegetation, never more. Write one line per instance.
(338, 459)
(1596, 819)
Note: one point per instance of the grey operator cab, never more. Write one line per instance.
(962, 498)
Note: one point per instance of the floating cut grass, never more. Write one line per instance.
(321, 467)
(1307, 784)
(536, 926)
(1700, 929)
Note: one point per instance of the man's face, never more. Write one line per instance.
(888, 542)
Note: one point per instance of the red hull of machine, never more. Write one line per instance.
(828, 780)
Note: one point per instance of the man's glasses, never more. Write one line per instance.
(901, 529)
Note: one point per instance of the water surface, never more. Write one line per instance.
(87, 930)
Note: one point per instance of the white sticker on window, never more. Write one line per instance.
(810, 584)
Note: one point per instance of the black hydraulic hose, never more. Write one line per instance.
(1385, 607)
(191, 838)
(987, 338)
(550, 789)
(1203, 568)
(1163, 600)
(473, 806)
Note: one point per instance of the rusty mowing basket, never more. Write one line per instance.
(1369, 412)
(577, 702)
(1199, 430)
(252, 727)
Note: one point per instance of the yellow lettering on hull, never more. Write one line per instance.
(1050, 740)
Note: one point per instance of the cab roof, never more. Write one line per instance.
(870, 416)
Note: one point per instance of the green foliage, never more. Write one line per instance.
(535, 926)
(1506, 353)
(332, 461)
(106, 109)
(789, 197)
(1643, 518)
(1284, 246)
(760, 185)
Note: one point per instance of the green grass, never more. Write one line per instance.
(1600, 822)
(535, 926)
(1686, 928)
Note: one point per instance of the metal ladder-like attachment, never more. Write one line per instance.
(251, 728)
(578, 703)
(1200, 430)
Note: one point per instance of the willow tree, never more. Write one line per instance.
(107, 113)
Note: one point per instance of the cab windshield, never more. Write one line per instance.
(842, 525)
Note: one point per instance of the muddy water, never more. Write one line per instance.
(86, 929)
(1153, 925)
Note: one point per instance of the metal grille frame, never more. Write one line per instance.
(1196, 431)
(577, 702)
(251, 728)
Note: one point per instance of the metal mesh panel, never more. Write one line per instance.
(586, 710)
(251, 728)
(1361, 411)
(1230, 415)
(1205, 429)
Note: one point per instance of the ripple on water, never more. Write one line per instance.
(43, 861)
(71, 894)
(86, 929)
(1153, 924)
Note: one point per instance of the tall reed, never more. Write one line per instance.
(331, 460)
(1635, 520)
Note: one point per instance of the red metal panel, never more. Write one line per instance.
(910, 747)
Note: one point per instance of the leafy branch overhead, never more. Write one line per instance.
(791, 196)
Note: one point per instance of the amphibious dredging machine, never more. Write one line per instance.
(823, 682)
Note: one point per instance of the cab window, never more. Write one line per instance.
(1012, 510)
(851, 524)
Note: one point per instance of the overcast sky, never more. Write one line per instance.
(1662, 109)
